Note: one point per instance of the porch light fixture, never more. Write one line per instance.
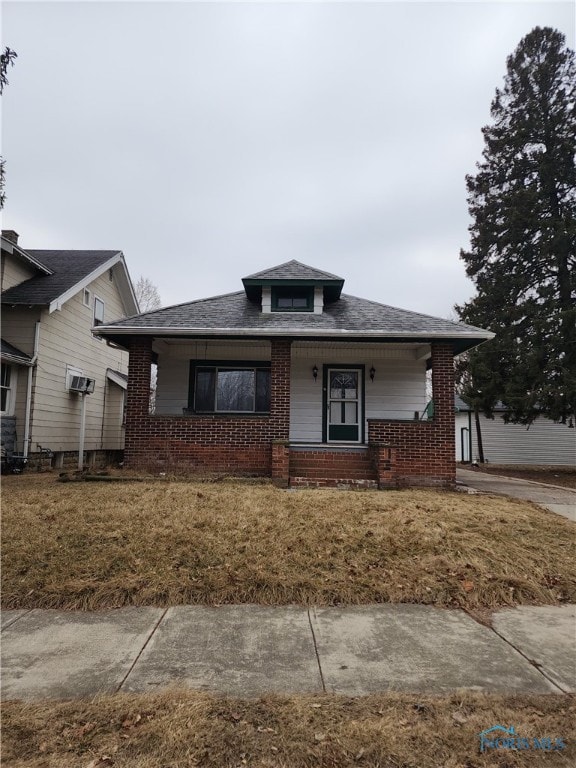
(315, 372)
(372, 373)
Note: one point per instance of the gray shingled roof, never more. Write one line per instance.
(68, 267)
(292, 270)
(460, 405)
(351, 316)
(8, 350)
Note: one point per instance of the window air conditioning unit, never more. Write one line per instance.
(82, 384)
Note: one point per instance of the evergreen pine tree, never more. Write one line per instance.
(523, 239)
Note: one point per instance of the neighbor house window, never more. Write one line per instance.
(292, 299)
(98, 311)
(5, 390)
(87, 297)
(231, 389)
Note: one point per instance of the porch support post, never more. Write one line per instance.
(444, 417)
(280, 410)
(137, 399)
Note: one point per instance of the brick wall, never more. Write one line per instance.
(280, 386)
(240, 444)
(424, 451)
(340, 464)
(332, 468)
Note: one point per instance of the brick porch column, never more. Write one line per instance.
(280, 385)
(137, 399)
(280, 410)
(444, 417)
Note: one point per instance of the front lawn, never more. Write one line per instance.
(180, 729)
(102, 545)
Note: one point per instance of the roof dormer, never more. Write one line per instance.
(293, 287)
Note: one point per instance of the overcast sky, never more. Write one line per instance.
(211, 140)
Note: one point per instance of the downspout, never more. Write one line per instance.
(83, 395)
(103, 415)
(28, 413)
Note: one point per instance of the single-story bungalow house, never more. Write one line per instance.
(544, 442)
(293, 379)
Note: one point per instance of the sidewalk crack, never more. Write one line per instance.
(141, 651)
(11, 623)
(530, 661)
(316, 651)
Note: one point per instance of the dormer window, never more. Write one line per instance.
(289, 298)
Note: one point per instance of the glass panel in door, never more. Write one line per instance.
(343, 411)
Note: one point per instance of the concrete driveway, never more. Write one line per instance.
(562, 501)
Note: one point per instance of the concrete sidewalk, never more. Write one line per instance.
(248, 650)
(562, 501)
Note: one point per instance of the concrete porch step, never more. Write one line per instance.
(332, 482)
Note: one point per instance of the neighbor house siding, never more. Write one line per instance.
(113, 429)
(18, 327)
(65, 339)
(15, 271)
(20, 404)
(397, 392)
(543, 443)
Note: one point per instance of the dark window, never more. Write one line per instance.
(226, 389)
(292, 299)
(98, 311)
(5, 388)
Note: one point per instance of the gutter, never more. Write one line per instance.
(28, 414)
(101, 330)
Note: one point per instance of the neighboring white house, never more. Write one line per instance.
(543, 442)
(61, 384)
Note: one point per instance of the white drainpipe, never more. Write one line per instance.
(82, 431)
(26, 446)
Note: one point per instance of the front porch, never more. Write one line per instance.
(296, 437)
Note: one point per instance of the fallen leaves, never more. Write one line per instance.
(100, 762)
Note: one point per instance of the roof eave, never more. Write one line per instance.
(16, 359)
(462, 343)
(127, 289)
(12, 248)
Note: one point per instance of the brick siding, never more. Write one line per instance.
(401, 452)
(340, 466)
(240, 444)
(424, 451)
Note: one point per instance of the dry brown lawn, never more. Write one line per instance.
(100, 545)
(180, 729)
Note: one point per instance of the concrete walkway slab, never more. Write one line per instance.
(561, 501)
(416, 648)
(9, 617)
(58, 654)
(240, 650)
(545, 635)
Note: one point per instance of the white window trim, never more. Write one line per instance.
(11, 389)
(101, 322)
(87, 297)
